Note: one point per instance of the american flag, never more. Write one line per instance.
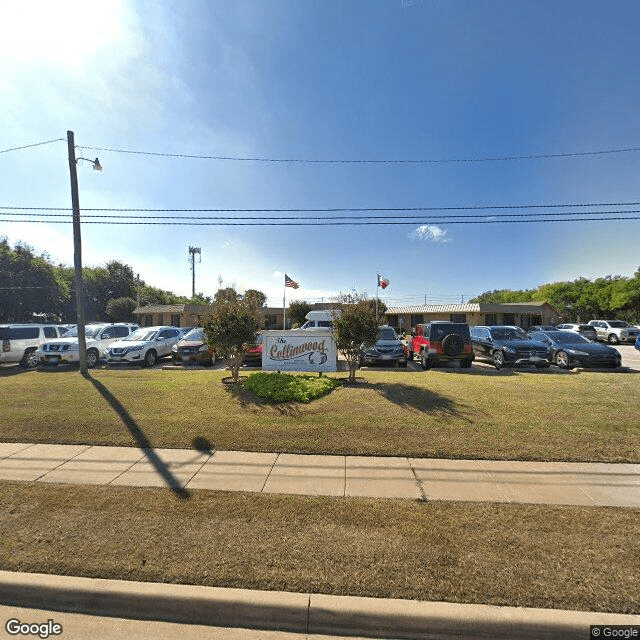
(288, 282)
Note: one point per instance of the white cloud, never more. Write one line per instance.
(430, 232)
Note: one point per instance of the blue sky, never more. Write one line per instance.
(327, 80)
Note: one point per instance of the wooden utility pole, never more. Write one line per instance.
(77, 253)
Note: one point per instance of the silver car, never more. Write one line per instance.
(585, 330)
(615, 331)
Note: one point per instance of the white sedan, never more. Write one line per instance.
(144, 346)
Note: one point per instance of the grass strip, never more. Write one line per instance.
(450, 413)
(581, 558)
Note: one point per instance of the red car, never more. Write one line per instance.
(193, 348)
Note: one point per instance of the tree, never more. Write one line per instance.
(121, 309)
(230, 330)
(298, 310)
(226, 295)
(356, 328)
(255, 297)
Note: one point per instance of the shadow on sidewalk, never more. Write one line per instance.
(140, 438)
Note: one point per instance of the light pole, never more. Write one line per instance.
(77, 248)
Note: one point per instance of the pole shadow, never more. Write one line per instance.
(140, 438)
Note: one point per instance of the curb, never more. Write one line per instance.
(296, 612)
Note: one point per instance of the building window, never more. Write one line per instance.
(148, 321)
(491, 319)
(458, 317)
(509, 318)
(416, 319)
(175, 320)
(392, 320)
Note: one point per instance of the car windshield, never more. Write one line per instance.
(508, 334)
(568, 337)
(142, 335)
(619, 324)
(89, 332)
(195, 334)
(386, 334)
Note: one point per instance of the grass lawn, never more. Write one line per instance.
(528, 415)
(580, 558)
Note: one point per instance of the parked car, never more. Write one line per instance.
(638, 342)
(569, 349)
(441, 341)
(193, 348)
(98, 337)
(253, 357)
(144, 346)
(615, 331)
(585, 330)
(20, 342)
(318, 320)
(542, 327)
(506, 345)
(388, 349)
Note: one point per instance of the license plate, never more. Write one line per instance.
(53, 359)
(386, 357)
(535, 359)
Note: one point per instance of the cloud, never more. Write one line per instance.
(430, 232)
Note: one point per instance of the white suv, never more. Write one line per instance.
(615, 331)
(98, 337)
(19, 342)
(144, 346)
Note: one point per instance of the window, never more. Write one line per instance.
(50, 332)
(24, 333)
(148, 321)
(119, 332)
(509, 318)
(175, 319)
(490, 319)
(417, 318)
(458, 317)
(392, 320)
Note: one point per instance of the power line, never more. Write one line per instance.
(36, 144)
(302, 223)
(314, 161)
(321, 219)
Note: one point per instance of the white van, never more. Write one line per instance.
(322, 320)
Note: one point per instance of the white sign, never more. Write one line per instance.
(299, 351)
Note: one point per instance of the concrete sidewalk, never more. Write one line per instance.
(568, 483)
(297, 613)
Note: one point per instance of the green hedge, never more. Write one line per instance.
(282, 387)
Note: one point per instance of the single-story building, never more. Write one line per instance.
(521, 314)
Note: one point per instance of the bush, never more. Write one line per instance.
(282, 387)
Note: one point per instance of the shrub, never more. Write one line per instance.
(282, 387)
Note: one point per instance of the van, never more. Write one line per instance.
(20, 342)
(318, 320)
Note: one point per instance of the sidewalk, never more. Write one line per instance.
(566, 483)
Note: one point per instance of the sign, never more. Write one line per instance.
(299, 351)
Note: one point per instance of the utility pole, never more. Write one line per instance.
(77, 254)
(192, 253)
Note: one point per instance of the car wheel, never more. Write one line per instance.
(150, 358)
(211, 361)
(452, 345)
(613, 339)
(465, 364)
(403, 364)
(410, 355)
(498, 359)
(92, 358)
(424, 361)
(562, 360)
(29, 359)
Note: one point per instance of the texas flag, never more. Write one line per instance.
(382, 282)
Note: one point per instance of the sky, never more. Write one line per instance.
(428, 80)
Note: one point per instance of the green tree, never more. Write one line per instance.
(356, 327)
(255, 297)
(230, 330)
(226, 295)
(297, 311)
(121, 309)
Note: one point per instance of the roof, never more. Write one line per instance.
(173, 308)
(473, 307)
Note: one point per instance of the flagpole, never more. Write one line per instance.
(377, 293)
(284, 306)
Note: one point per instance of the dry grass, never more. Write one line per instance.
(587, 416)
(521, 555)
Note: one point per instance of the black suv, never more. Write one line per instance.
(388, 350)
(441, 341)
(508, 346)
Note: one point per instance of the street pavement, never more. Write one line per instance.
(567, 483)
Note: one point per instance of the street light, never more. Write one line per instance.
(77, 247)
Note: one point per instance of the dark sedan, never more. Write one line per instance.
(504, 345)
(569, 349)
(388, 350)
